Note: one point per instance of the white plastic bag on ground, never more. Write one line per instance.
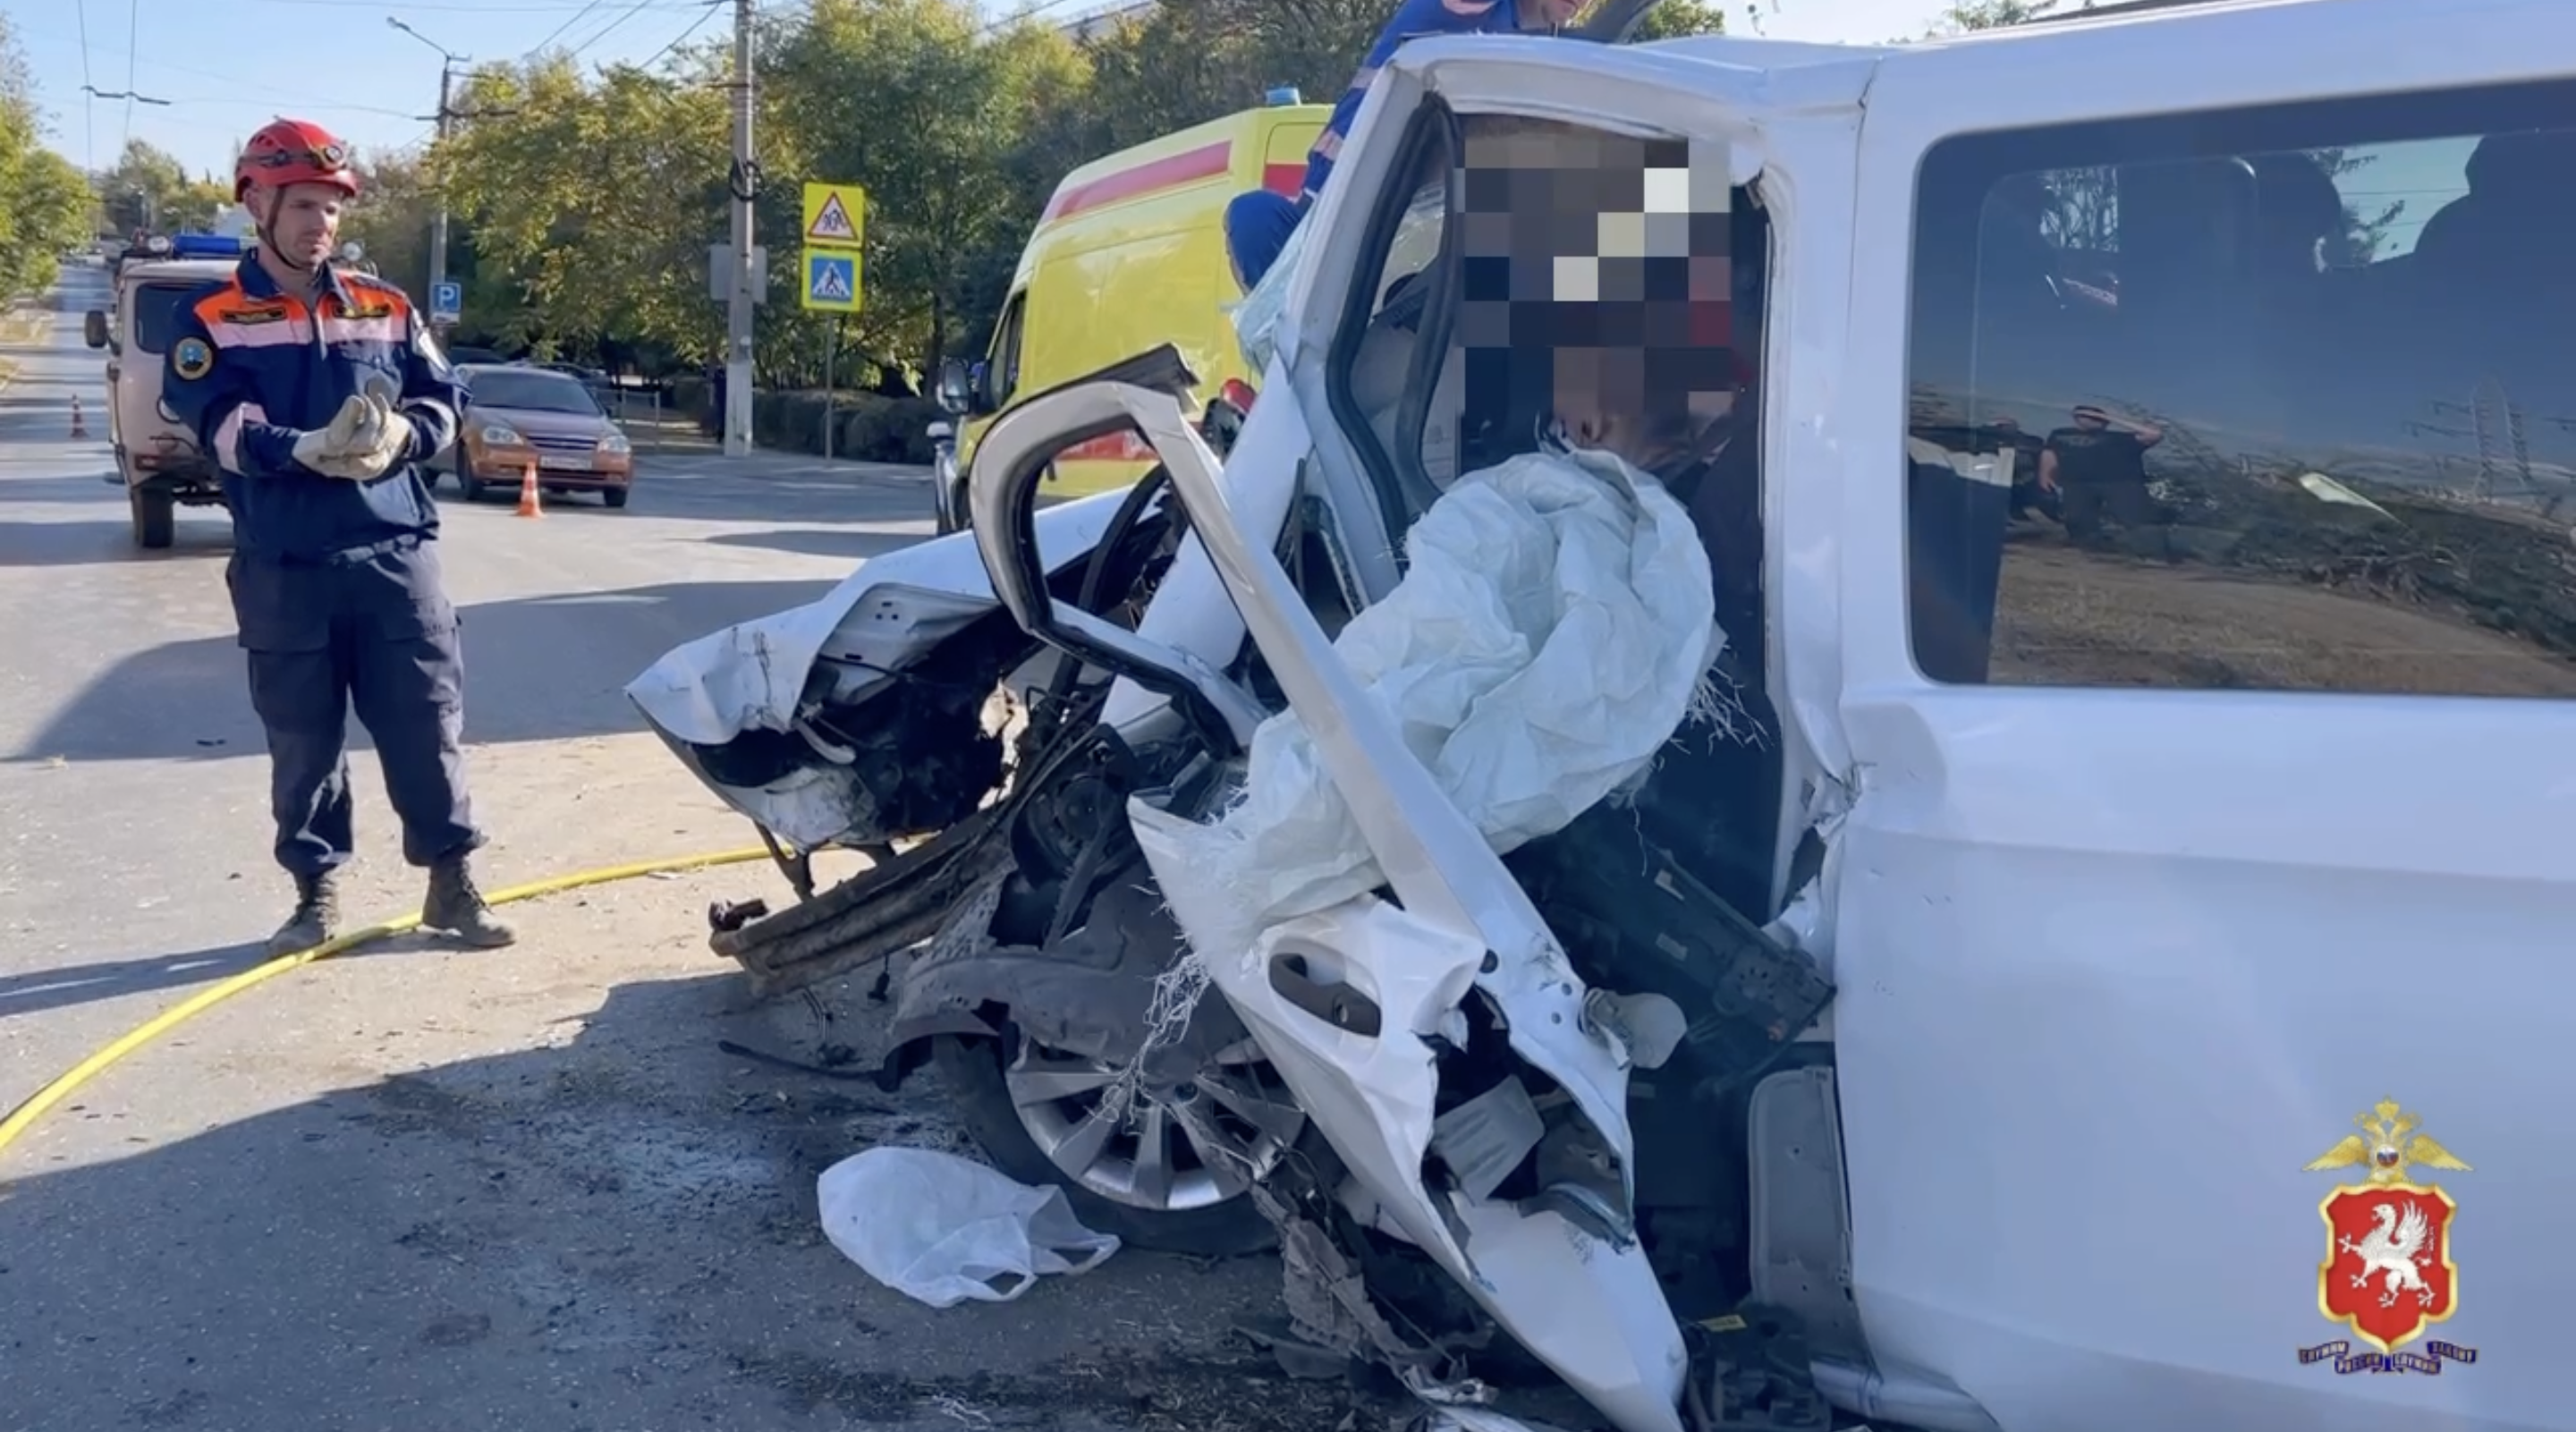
(1554, 628)
(944, 1229)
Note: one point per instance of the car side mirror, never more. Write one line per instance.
(94, 328)
(1140, 396)
(956, 388)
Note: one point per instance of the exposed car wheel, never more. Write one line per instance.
(1173, 1174)
(156, 516)
(613, 496)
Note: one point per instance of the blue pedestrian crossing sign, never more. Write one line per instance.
(831, 281)
(446, 301)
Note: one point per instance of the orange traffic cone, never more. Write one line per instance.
(528, 492)
(80, 429)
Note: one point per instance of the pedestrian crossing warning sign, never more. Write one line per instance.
(831, 281)
(835, 215)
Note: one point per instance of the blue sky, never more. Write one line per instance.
(337, 61)
(226, 66)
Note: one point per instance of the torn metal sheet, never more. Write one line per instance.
(1564, 1273)
(1438, 861)
(1592, 1310)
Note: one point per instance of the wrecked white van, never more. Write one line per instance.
(2080, 953)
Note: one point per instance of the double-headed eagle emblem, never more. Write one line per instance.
(2385, 1148)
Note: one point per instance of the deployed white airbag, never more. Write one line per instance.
(1552, 631)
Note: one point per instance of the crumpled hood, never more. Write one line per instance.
(751, 677)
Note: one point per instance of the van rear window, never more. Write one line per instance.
(157, 307)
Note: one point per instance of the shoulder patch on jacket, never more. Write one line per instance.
(192, 358)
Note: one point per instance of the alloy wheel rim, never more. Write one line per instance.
(1193, 1146)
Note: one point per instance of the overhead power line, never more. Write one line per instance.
(631, 12)
(490, 7)
(539, 47)
(676, 40)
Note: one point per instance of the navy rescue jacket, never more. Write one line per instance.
(251, 368)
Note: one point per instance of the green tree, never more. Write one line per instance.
(585, 206)
(44, 203)
(1678, 19)
(917, 103)
(149, 188)
(591, 204)
(1967, 15)
(392, 219)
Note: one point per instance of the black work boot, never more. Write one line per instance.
(456, 907)
(316, 920)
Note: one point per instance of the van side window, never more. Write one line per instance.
(1006, 349)
(157, 307)
(2275, 399)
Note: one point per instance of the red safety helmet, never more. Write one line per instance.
(293, 151)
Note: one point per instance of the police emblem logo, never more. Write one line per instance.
(2388, 1274)
(192, 358)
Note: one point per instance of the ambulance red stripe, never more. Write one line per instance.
(1205, 162)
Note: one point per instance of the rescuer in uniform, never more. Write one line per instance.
(321, 395)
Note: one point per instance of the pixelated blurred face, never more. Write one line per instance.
(1596, 272)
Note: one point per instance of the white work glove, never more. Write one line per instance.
(315, 448)
(379, 436)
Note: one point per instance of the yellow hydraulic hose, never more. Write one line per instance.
(26, 1114)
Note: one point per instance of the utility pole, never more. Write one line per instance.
(745, 186)
(438, 219)
(448, 60)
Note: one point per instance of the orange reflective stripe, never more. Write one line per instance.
(234, 319)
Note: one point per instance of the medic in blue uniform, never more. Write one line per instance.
(320, 394)
(1257, 224)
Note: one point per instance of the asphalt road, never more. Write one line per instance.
(426, 1188)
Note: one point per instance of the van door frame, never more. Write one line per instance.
(2108, 958)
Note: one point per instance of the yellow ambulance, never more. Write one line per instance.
(1130, 254)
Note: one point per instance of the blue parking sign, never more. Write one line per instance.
(446, 301)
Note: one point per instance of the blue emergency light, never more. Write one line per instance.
(205, 246)
(1284, 94)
